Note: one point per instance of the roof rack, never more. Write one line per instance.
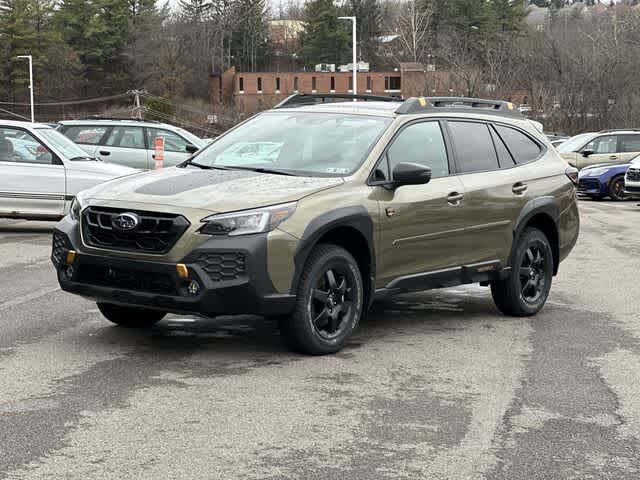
(131, 119)
(457, 104)
(301, 99)
(607, 130)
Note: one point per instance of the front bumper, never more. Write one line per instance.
(231, 273)
(593, 187)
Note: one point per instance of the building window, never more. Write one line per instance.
(333, 84)
(259, 84)
(350, 83)
(241, 84)
(368, 84)
(295, 84)
(277, 84)
(392, 83)
(313, 84)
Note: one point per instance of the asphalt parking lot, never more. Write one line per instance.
(435, 385)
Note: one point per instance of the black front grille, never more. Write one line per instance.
(104, 276)
(221, 266)
(588, 184)
(633, 174)
(59, 246)
(155, 232)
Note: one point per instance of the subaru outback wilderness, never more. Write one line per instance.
(341, 202)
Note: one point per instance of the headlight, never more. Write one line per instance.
(248, 221)
(74, 210)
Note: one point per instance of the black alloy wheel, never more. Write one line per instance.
(532, 274)
(331, 302)
(616, 189)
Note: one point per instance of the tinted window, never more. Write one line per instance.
(126, 137)
(172, 141)
(630, 143)
(21, 147)
(473, 146)
(604, 144)
(521, 146)
(421, 143)
(504, 157)
(89, 135)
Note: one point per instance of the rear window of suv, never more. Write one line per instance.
(522, 148)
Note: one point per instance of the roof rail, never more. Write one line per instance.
(606, 130)
(301, 99)
(457, 104)
(131, 119)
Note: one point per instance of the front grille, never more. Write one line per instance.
(632, 189)
(633, 174)
(588, 184)
(221, 266)
(104, 276)
(155, 232)
(59, 246)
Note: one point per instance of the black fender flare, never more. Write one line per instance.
(356, 217)
(542, 205)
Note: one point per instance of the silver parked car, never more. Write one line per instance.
(131, 142)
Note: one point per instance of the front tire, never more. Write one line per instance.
(616, 188)
(130, 317)
(329, 303)
(527, 288)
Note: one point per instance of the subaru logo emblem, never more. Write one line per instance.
(125, 221)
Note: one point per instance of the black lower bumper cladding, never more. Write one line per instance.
(231, 276)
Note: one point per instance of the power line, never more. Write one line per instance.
(15, 114)
(71, 102)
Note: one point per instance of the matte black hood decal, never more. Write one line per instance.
(192, 180)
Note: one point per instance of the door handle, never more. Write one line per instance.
(519, 188)
(454, 198)
(613, 157)
(104, 152)
(153, 155)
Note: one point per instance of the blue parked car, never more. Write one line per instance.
(604, 180)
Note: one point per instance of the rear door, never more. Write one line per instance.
(175, 146)
(628, 147)
(495, 187)
(32, 178)
(125, 145)
(605, 150)
(421, 224)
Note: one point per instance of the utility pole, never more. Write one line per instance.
(354, 52)
(137, 108)
(30, 58)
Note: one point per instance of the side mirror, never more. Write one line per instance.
(191, 148)
(411, 174)
(586, 153)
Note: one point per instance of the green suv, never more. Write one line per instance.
(338, 203)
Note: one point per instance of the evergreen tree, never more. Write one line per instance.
(249, 33)
(369, 21)
(196, 10)
(326, 39)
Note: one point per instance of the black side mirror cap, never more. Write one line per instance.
(191, 148)
(411, 174)
(586, 153)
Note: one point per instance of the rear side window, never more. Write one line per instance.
(603, 145)
(88, 135)
(504, 157)
(630, 143)
(523, 148)
(473, 146)
(126, 137)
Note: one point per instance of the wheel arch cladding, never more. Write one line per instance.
(541, 213)
(350, 228)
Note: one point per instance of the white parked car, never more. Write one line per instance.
(131, 142)
(632, 179)
(41, 171)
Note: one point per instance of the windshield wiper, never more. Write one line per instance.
(263, 170)
(206, 167)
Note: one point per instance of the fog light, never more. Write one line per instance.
(67, 272)
(71, 256)
(193, 288)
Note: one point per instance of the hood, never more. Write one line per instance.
(109, 170)
(213, 190)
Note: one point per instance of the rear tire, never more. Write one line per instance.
(329, 303)
(525, 291)
(616, 188)
(130, 317)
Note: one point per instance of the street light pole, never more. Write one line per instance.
(355, 66)
(30, 58)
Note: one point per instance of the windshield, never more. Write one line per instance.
(303, 143)
(574, 143)
(70, 150)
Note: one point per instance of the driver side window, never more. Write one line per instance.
(21, 147)
(420, 143)
(603, 145)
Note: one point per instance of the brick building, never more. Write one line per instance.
(254, 91)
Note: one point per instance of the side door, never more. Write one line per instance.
(175, 146)
(420, 224)
(125, 145)
(495, 187)
(628, 147)
(602, 149)
(32, 177)
(87, 137)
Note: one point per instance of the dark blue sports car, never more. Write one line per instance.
(603, 180)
